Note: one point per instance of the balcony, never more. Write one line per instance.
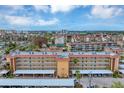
(22, 63)
(102, 63)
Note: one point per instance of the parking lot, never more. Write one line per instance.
(100, 81)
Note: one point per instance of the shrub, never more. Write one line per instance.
(78, 85)
(117, 85)
(117, 75)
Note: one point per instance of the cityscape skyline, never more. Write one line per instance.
(49, 17)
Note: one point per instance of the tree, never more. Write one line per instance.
(39, 41)
(31, 47)
(11, 46)
(117, 75)
(117, 85)
(65, 48)
(48, 36)
(78, 75)
(7, 66)
(78, 85)
(75, 60)
(22, 48)
(7, 50)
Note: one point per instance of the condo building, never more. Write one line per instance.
(120, 52)
(61, 64)
(92, 46)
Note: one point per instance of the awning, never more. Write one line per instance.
(93, 71)
(34, 72)
(122, 71)
(121, 66)
(37, 82)
(3, 72)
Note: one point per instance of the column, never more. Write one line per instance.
(43, 75)
(14, 64)
(111, 63)
(116, 65)
(23, 75)
(33, 75)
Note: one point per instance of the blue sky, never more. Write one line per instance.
(62, 17)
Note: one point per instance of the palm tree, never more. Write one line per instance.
(116, 74)
(117, 85)
(77, 85)
(75, 60)
(7, 66)
(7, 50)
(78, 75)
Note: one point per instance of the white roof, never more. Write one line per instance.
(122, 71)
(36, 82)
(61, 53)
(93, 71)
(3, 72)
(34, 72)
(121, 66)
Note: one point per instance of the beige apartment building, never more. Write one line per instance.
(120, 52)
(60, 64)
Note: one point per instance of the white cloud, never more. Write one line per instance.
(62, 8)
(55, 8)
(48, 22)
(43, 8)
(28, 21)
(105, 11)
(17, 20)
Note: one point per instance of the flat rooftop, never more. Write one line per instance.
(34, 72)
(115, 47)
(37, 82)
(93, 71)
(3, 72)
(122, 71)
(61, 54)
(121, 66)
(76, 43)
